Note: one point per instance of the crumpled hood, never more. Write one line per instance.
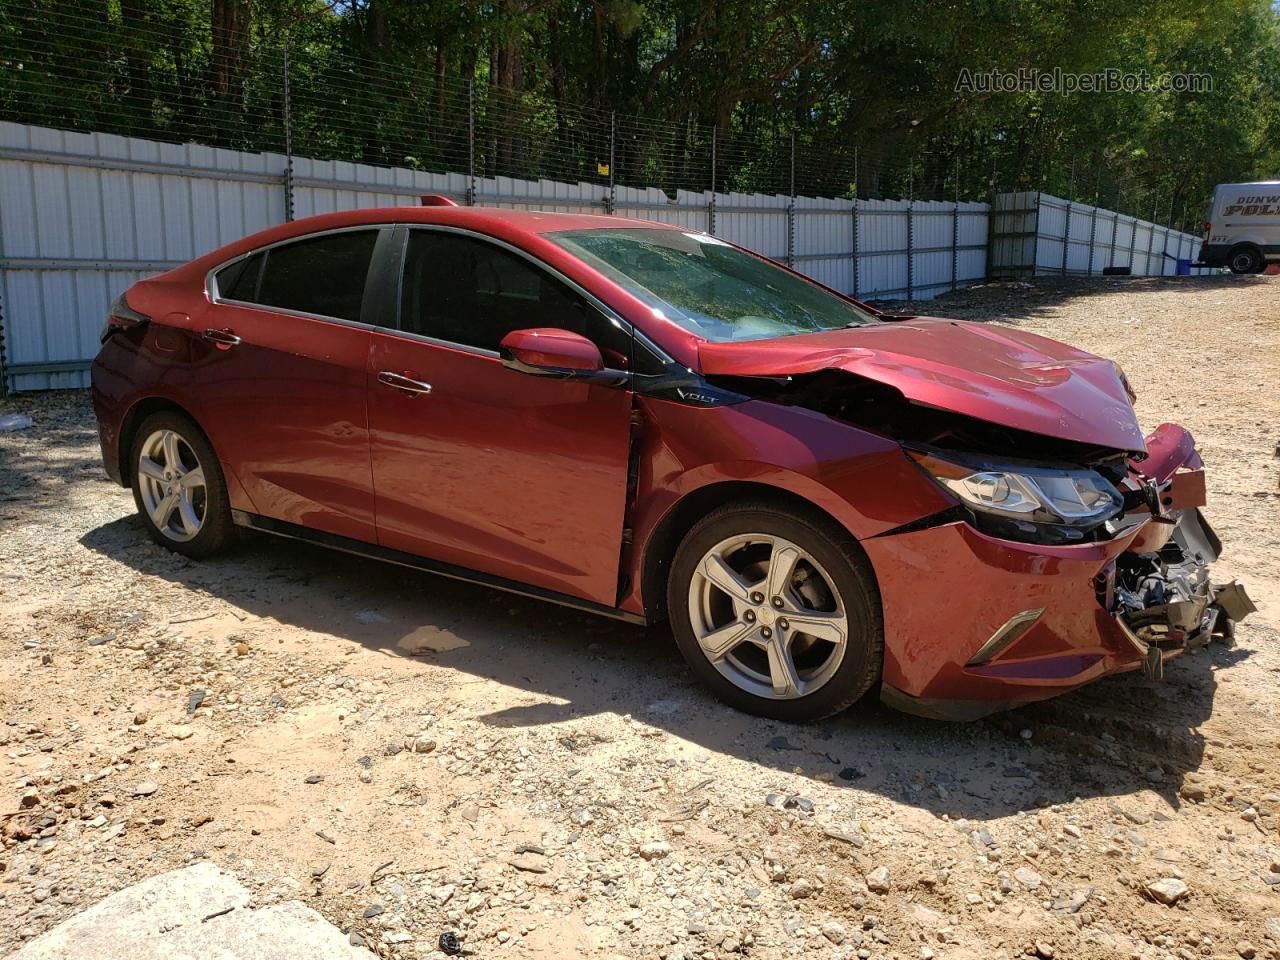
(993, 373)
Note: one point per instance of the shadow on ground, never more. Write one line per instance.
(1111, 739)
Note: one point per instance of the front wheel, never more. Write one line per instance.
(776, 610)
(178, 486)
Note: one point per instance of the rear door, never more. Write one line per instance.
(517, 476)
(283, 386)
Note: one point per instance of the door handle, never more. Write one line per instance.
(223, 338)
(399, 382)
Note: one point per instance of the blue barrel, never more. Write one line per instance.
(1184, 268)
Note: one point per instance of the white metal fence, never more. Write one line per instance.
(84, 215)
(1035, 234)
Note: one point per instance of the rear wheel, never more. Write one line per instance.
(179, 488)
(1245, 260)
(776, 611)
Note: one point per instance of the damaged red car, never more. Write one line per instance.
(650, 423)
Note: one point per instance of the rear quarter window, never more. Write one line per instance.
(323, 275)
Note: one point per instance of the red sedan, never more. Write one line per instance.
(650, 423)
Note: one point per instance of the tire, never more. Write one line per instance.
(206, 503)
(747, 537)
(1246, 260)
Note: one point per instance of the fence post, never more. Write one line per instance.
(791, 209)
(1115, 226)
(1093, 235)
(955, 244)
(1151, 245)
(1035, 239)
(471, 143)
(1133, 243)
(288, 142)
(1066, 239)
(910, 249)
(711, 207)
(855, 245)
(4, 380)
(612, 203)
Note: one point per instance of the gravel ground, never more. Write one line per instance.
(410, 755)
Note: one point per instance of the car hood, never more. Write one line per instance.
(993, 373)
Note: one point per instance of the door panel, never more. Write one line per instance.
(519, 476)
(285, 408)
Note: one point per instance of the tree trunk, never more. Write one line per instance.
(230, 22)
(133, 13)
(508, 75)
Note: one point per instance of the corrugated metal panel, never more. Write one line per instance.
(84, 215)
(1036, 226)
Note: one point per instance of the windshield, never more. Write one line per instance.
(709, 287)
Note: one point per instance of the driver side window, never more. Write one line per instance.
(471, 292)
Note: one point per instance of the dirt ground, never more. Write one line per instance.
(411, 755)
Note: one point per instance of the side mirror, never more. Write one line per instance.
(551, 352)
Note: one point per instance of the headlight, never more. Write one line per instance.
(1039, 504)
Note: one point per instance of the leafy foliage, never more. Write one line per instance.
(774, 95)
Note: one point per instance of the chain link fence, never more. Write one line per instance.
(296, 91)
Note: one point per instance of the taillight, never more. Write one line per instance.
(122, 317)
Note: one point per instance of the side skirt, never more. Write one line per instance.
(359, 548)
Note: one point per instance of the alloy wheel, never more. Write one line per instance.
(768, 616)
(172, 484)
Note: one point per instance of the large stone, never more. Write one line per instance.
(194, 913)
(1168, 890)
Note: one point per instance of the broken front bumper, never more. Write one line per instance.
(975, 624)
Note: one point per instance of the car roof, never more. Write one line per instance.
(520, 227)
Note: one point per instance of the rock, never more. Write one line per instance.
(1246, 950)
(372, 911)
(1167, 890)
(655, 850)
(803, 804)
(1071, 830)
(194, 699)
(181, 732)
(1136, 818)
(1027, 877)
(581, 816)
(314, 778)
(444, 893)
(145, 789)
(420, 744)
(140, 718)
(1194, 792)
(834, 932)
(878, 880)
(1044, 950)
(802, 889)
(101, 639)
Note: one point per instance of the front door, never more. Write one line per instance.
(514, 475)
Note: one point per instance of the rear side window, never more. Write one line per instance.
(472, 292)
(324, 275)
(239, 281)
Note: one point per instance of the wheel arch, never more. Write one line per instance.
(662, 544)
(134, 417)
(1253, 248)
